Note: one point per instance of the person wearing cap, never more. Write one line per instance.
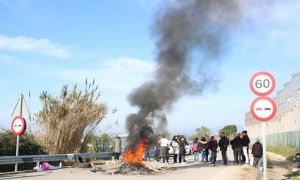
(117, 148)
(257, 152)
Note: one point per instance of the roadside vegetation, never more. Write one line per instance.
(102, 143)
(28, 146)
(200, 132)
(288, 152)
(229, 130)
(67, 123)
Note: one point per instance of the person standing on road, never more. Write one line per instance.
(257, 152)
(156, 152)
(246, 142)
(195, 149)
(182, 150)
(213, 147)
(164, 148)
(208, 150)
(202, 149)
(223, 143)
(236, 144)
(147, 154)
(175, 146)
(117, 148)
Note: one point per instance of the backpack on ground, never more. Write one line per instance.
(195, 147)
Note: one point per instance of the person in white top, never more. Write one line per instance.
(175, 146)
(164, 147)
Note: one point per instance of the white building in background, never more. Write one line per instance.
(284, 128)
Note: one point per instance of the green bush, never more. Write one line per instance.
(27, 146)
(102, 143)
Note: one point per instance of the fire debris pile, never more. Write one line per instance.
(138, 169)
(139, 144)
(134, 154)
(149, 168)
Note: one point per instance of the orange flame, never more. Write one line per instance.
(135, 155)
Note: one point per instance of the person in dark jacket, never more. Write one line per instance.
(246, 142)
(213, 147)
(223, 143)
(202, 149)
(208, 151)
(208, 155)
(182, 150)
(237, 144)
(257, 152)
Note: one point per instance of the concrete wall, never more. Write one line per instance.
(284, 130)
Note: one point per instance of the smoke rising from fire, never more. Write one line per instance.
(191, 35)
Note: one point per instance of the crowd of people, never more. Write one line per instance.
(178, 149)
(205, 150)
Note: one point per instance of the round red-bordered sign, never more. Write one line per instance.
(262, 83)
(18, 125)
(263, 109)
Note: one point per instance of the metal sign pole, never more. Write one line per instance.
(17, 152)
(18, 137)
(264, 150)
(263, 84)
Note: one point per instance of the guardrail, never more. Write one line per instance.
(50, 157)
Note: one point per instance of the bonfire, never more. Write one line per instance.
(134, 155)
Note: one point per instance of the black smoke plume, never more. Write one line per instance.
(191, 37)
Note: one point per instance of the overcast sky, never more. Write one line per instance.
(47, 44)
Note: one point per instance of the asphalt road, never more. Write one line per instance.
(190, 170)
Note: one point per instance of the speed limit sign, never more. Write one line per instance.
(262, 83)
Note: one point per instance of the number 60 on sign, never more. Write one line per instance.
(262, 83)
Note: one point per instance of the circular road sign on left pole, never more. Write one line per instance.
(18, 125)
